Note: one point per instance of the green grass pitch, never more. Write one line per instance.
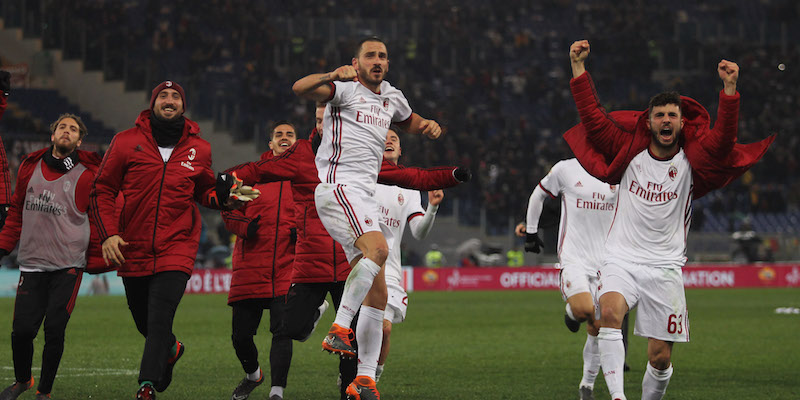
(457, 345)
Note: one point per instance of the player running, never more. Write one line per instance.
(361, 107)
(662, 158)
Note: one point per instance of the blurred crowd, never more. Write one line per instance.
(495, 74)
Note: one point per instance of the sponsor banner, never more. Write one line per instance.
(546, 278)
(209, 281)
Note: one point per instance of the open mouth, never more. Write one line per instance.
(388, 148)
(666, 133)
(168, 109)
(284, 144)
(376, 70)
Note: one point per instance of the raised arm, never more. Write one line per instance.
(418, 125)
(421, 224)
(719, 142)
(282, 168)
(318, 87)
(601, 130)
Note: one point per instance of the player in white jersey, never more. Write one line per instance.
(587, 208)
(361, 106)
(646, 244)
(398, 206)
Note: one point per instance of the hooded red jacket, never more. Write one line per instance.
(606, 143)
(10, 234)
(318, 258)
(159, 219)
(5, 176)
(262, 265)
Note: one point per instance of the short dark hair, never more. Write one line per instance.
(365, 40)
(279, 123)
(665, 98)
(81, 126)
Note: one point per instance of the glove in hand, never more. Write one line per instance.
(462, 174)
(533, 244)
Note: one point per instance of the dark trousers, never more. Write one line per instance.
(246, 319)
(48, 296)
(302, 302)
(153, 300)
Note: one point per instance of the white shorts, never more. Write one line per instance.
(396, 305)
(657, 291)
(347, 213)
(577, 279)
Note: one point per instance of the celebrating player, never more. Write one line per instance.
(361, 107)
(662, 158)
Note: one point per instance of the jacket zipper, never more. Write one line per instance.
(158, 206)
(275, 248)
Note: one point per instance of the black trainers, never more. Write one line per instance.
(246, 386)
(42, 396)
(571, 324)
(586, 393)
(16, 389)
(146, 392)
(166, 377)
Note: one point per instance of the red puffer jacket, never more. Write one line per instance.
(318, 258)
(159, 220)
(262, 265)
(5, 176)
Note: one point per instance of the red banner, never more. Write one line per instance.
(209, 281)
(533, 278)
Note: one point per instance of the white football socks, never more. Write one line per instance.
(654, 383)
(355, 290)
(369, 334)
(276, 390)
(378, 372)
(591, 361)
(255, 375)
(612, 358)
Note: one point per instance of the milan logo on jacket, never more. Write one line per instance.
(673, 172)
(368, 221)
(400, 199)
(192, 154)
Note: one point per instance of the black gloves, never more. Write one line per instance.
(293, 235)
(3, 253)
(225, 182)
(532, 243)
(5, 83)
(252, 227)
(462, 174)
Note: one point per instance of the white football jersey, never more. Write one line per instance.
(355, 125)
(587, 208)
(397, 206)
(654, 212)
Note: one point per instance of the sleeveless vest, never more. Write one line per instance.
(55, 234)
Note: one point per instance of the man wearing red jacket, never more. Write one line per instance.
(49, 205)
(262, 266)
(5, 179)
(162, 167)
(662, 158)
(320, 264)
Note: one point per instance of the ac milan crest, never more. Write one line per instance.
(400, 199)
(386, 104)
(612, 188)
(673, 172)
(368, 221)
